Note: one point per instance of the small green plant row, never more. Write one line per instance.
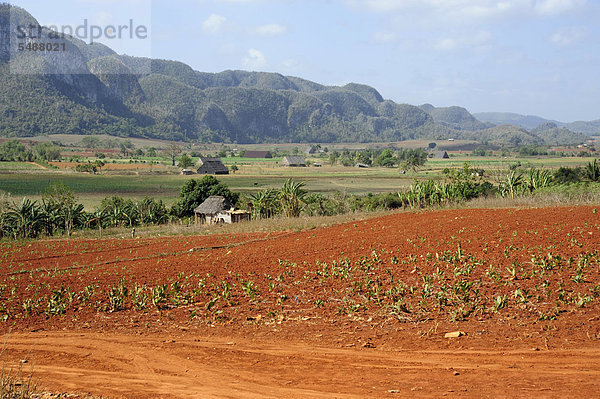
(380, 284)
(123, 296)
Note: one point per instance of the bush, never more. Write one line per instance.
(564, 174)
(194, 192)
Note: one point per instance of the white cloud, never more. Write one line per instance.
(556, 7)
(463, 8)
(213, 23)
(103, 18)
(271, 30)
(470, 10)
(568, 36)
(383, 37)
(481, 39)
(477, 41)
(291, 65)
(255, 60)
(446, 44)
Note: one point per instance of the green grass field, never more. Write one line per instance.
(92, 189)
(23, 179)
(16, 166)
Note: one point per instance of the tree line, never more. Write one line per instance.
(59, 213)
(16, 151)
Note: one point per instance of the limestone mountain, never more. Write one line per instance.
(89, 89)
(455, 117)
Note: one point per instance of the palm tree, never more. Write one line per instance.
(291, 196)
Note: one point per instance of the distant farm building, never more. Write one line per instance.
(187, 172)
(211, 166)
(439, 155)
(217, 209)
(258, 154)
(293, 161)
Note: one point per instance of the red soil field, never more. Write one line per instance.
(355, 310)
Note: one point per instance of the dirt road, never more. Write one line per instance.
(164, 366)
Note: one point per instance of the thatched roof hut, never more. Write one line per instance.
(211, 208)
(212, 166)
(217, 209)
(440, 155)
(213, 205)
(311, 150)
(293, 161)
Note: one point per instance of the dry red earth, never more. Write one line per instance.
(349, 311)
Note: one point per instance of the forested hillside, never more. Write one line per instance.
(89, 89)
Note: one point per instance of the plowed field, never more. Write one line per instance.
(354, 310)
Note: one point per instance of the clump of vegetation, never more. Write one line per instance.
(14, 150)
(196, 191)
(90, 167)
(459, 185)
(14, 384)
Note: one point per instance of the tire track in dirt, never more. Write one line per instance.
(130, 253)
(163, 366)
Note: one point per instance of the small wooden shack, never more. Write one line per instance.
(211, 166)
(293, 161)
(217, 209)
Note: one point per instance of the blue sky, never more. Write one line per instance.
(538, 57)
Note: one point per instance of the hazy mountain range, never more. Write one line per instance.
(89, 89)
(531, 122)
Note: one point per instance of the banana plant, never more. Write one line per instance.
(592, 171)
(291, 197)
(513, 183)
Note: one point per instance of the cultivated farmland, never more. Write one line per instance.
(354, 310)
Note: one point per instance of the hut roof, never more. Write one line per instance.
(293, 160)
(211, 166)
(213, 205)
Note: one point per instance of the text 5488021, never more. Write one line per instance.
(33, 46)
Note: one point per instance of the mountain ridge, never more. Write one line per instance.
(531, 122)
(92, 90)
